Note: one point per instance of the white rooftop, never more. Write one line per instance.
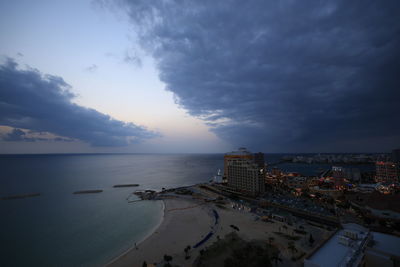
(333, 253)
(386, 243)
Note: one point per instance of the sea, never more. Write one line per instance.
(59, 228)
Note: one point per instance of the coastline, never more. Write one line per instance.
(183, 224)
(151, 232)
(190, 221)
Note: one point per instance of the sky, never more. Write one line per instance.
(199, 76)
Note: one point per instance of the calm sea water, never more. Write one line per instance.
(62, 229)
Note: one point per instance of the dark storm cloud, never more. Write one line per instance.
(43, 103)
(281, 75)
(16, 135)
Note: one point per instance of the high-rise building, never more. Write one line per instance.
(386, 171)
(241, 153)
(259, 159)
(260, 162)
(243, 173)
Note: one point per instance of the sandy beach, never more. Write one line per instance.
(188, 220)
(185, 223)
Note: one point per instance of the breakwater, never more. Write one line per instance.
(20, 196)
(125, 185)
(88, 191)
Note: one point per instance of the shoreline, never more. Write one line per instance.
(189, 221)
(133, 247)
(183, 224)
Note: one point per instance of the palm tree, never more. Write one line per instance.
(187, 251)
(292, 247)
(276, 257)
(167, 258)
(311, 240)
(271, 239)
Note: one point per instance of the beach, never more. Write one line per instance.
(187, 221)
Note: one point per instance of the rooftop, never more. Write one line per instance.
(333, 253)
(386, 243)
(377, 201)
(241, 152)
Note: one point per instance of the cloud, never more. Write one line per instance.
(16, 135)
(10, 134)
(91, 68)
(280, 75)
(43, 103)
(132, 58)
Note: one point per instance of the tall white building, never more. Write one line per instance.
(243, 173)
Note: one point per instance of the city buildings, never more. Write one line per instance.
(365, 188)
(335, 158)
(332, 198)
(276, 172)
(273, 177)
(334, 193)
(343, 175)
(338, 175)
(338, 172)
(386, 171)
(377, 206)
(296, 182)
(243, 172)
(353, 174)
